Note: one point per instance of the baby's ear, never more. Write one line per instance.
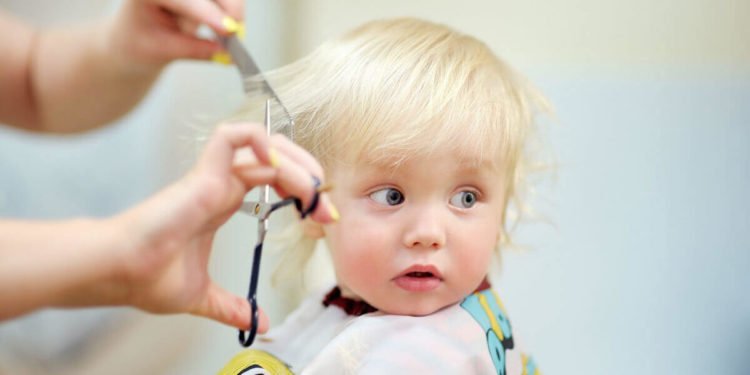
(312, 229)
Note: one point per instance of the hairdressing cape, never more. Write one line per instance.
(472, 337)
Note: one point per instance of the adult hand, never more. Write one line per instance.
(165, 268)
(152, 33)
(75, 78)
(155, 256)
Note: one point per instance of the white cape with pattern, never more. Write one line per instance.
(325, 340)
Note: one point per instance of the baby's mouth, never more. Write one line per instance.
(421, 271)
(419, 278)
(420, 274)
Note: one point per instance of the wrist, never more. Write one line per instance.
(125, 243)
(122, 248)
(139, 249)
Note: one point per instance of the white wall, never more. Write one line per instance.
(560, 35)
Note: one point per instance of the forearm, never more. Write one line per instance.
(74, 79)
(59, 264)
(16, 46)
(80, 81)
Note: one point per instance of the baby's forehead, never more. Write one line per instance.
(464, 153)
(403, 140)
(391, 163)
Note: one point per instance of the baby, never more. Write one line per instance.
(423, 133)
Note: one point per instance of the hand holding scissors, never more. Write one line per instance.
(167, 239)
(253, 81)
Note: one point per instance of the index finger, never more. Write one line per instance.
(287, 175)
(234, 8)
(292, 170)
(298, 154)
(209, 12)
(220, 150)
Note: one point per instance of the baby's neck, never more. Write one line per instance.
(354, 305)
(349, 305)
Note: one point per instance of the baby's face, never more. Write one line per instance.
(415, 239)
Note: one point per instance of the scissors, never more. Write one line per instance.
(262, 209)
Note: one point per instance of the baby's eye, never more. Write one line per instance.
(464, 199)
(388, 196)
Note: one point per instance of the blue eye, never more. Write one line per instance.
(464, 199)
(388, 196)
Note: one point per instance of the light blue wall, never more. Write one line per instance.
(95, 174)
(648, 269)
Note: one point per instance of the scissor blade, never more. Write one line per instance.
(259, 210)
(252, 77)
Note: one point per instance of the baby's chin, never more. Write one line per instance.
(421, 308)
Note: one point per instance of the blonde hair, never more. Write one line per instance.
(394, 89)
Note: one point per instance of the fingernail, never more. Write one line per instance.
(241, 31)
(230, 25)
(221, 58)
(273, 157)
(334, 212)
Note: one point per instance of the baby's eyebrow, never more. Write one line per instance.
(485, 164)
(477, 165)
(488, 172)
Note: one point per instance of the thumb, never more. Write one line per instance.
(225, 307)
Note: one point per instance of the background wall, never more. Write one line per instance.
(645, 269)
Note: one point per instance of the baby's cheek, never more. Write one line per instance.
(358, 261)
(477, 262)
(364, 262)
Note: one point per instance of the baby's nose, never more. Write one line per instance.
(425, 231)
